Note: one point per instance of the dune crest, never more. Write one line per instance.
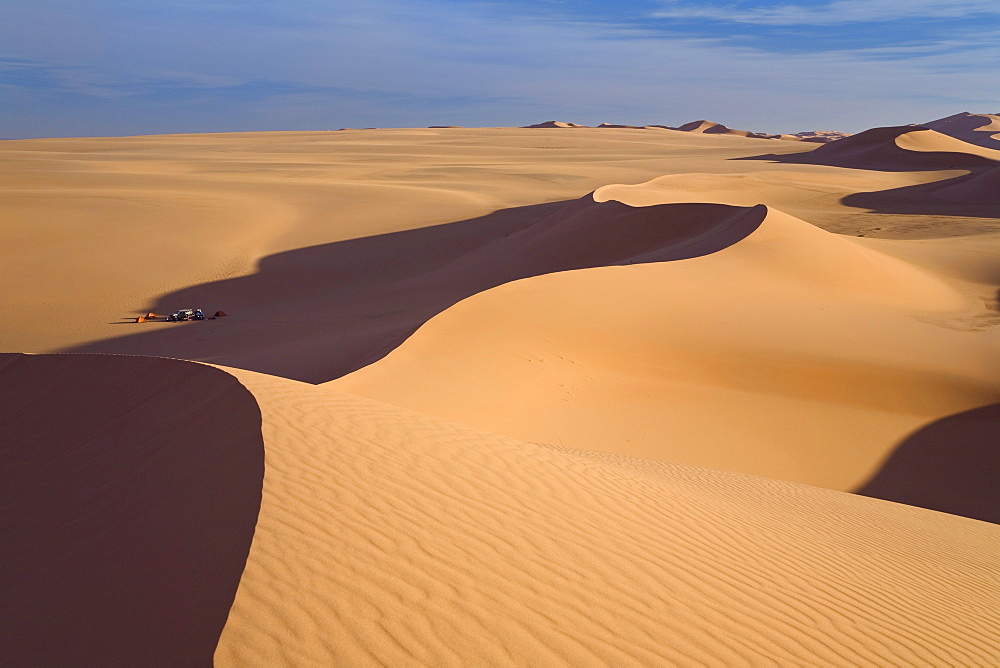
(980, 129)
(904, 147)
(787, 338)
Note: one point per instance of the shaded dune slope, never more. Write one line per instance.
(979, 129)
(131, 487)
(412, 541)
(950, 465)
(352, 302)
(974, 194)
(794, 353)
(898, 148)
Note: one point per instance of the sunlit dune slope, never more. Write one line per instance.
(793, 353)
(387, 537)
(131, 488)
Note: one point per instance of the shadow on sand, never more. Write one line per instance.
(318, 313)
(938, 198)
(131, 488)
(950, 465)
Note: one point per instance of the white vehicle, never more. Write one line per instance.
(186, 314)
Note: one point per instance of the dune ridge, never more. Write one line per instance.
(906, 148)
(355, 301)
(649, 360)
(979, 129)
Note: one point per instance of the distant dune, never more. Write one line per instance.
(903, 148)
(979, 129)
(709, 128)
(554, 124)
(819, 136)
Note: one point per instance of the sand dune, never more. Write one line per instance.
(130, 492)
(114, 224)
(646, 360)
(979, 129)
(386, 287)
(576, 418)
(390, 537)
(408, 540)
(619, 126)
(820, 136)
(905, 148)
(711, 128)
(555, 124)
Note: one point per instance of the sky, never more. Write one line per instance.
(124, 67)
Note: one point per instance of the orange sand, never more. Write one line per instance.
(576, 396)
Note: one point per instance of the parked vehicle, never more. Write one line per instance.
(186, 314)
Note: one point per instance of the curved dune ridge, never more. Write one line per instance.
(979, 129)
(123, 226)
(793, 353)
(131, 488)
(354, 301)
(388, 537)
(906, 147)
(777, 188)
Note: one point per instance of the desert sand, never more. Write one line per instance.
(512, 396)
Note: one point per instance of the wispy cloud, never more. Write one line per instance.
(832, 13)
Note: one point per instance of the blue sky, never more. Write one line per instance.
(112, 67)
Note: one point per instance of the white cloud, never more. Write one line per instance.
(836, 12)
